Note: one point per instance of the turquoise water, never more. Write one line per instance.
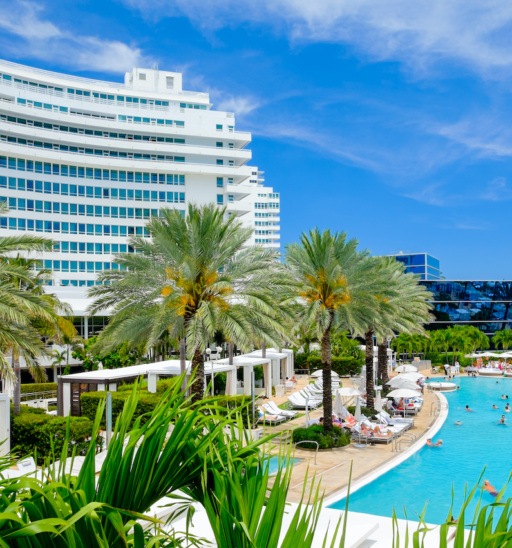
(273, 464)
(429, 474)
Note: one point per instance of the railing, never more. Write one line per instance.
(132, 141)
(122, 158)
(310, 441)
(90, 81)
(39, 395)
(436, 407)
(396, 444)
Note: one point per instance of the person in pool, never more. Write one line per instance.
(495, 407)
(468, 409)
(503, 420)
(490, 488)
(507, 408)
(458, 423)
(438, 444)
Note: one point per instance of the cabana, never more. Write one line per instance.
(279, 364)
(248, 363)
(290, 361)
(70, 387)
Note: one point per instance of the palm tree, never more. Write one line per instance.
(192, 279)
(440, 342)
(330, 278)
(504, 338)
(401, 306)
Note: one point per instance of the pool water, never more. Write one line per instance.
(429, 474)
(273, 464)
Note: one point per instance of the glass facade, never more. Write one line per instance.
(425, 265)
(484, 304)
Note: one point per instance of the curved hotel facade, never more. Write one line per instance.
(87, 163)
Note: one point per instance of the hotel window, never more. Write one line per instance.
(218, 127)
(170, 82)
(220, 182)
(219, 144)
(142, 76)
(220, 162)
(220, 199)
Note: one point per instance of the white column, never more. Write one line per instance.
(5, 424)
(66, 399)
(248, 369)
(152, 380)
(275, 372)
(231, 383)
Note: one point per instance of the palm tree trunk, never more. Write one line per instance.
(183, 365)
(198, 372)
(327, 378)
(383, 362)
(16, 397)
(369, 368)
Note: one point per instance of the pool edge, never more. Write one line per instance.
(430, 432)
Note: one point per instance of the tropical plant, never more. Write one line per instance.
(329, 274)
(193, 278)
(121, 356)
(504, 338)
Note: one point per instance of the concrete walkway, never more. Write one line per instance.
(333, 466)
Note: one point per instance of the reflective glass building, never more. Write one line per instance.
(425, 265)
(484, 304)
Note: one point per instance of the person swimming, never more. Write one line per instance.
(507, 408)
(468, 409)
(490, 488)
(495, 407)
(503, 420)
(503, 397)
(438, 444)
(458, 423)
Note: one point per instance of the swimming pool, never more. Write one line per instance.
(428, 475)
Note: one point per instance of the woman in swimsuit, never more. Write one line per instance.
(490, 488)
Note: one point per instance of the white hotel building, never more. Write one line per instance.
(87, 163)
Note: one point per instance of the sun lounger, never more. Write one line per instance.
(386, 418)
(272, 419)
(272, 407)
(297, 401)
(357, 435)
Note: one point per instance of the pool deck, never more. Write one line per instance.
(333, 466)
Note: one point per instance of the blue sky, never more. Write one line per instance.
(387, 119)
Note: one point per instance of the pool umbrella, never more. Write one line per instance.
(413, 376)
(403, 393)
(357, 413)
(320, 372)
(378, 401)
(406, 369)
(403, 383)
(344, 392)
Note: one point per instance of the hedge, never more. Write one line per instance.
(338, 437)
(442, 358)
(32, 430)
(91, 400)
(366, 411)
(38, 387)
(344, 366)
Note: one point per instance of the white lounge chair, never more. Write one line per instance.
(272, 407)
(271, 418)
(299, 402)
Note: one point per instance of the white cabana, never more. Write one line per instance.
(279, 364)
(290, 360)
(248, 363)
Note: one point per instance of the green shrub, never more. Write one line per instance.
(38, 387)
(33, 431)
(344, 366)
(326, 440)
(234, 402)
(300, 361)
(442, 358)
(91, 400)
(366, 411)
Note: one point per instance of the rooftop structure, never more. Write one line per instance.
(427, 266)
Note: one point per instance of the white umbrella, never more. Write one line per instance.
(406, 369)
(357, 413)
(378, 401)
(414, 376)
(320, 372)
(403, 393)
(346, 391)
(338, 406)
(403, 383)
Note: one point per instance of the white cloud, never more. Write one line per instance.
(418, 33)
(240, 105)
(41, 39)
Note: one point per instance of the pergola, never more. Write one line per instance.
(70, 387)
(280, 368)
(248, 363)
